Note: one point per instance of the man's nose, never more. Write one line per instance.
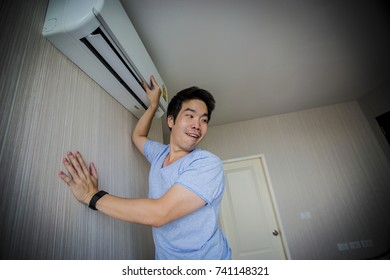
(195, 124)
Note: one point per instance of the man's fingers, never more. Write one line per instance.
(153, 82)
(65, 178)
(145, 86)
(69, 167)
(92, 168)
(82, 181)
(76, 167)
(82, 163)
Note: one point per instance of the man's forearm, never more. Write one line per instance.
(141, 130)
(177, 202)
(133, 210)
(144, 123)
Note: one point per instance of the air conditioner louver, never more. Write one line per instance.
(102, 48)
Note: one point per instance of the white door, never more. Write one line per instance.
(247, 213)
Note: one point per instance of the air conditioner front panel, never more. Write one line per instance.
(124, 72)
(116, 22)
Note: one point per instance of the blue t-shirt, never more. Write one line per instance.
(197, 235)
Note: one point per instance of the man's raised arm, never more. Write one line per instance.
(141, 130)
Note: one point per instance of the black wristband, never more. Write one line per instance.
(95, 198)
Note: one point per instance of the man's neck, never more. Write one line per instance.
(175, 154)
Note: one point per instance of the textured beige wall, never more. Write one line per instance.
(48, 106)
(325, 161)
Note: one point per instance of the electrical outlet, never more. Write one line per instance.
(355, 245)
(343, 246)
(367, 243)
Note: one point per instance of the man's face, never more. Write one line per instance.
(190, 126)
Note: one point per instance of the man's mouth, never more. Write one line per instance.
(193, 135)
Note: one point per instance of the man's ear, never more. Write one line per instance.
(170, 121)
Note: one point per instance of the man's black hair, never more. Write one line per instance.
(190, 93)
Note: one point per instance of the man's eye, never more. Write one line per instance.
(205, 121)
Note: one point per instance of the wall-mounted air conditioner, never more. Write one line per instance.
(98, 36)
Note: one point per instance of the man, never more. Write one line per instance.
(186, 184)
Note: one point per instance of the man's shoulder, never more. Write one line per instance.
(153, 148)
(153, 143)
(204, 155)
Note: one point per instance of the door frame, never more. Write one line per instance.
(275, 207)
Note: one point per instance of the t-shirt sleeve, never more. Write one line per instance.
(152, 149)
(204, 176)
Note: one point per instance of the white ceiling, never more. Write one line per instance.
(261, 58)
